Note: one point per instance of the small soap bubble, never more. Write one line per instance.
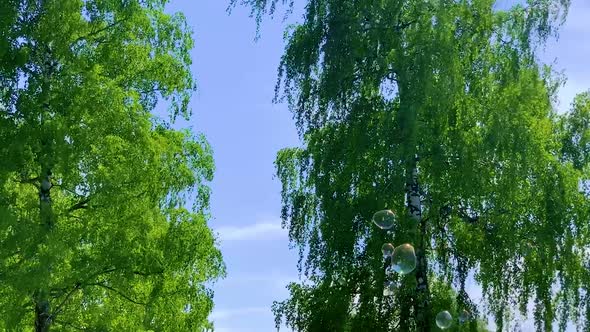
(464, 316)
(444, 320)
(387, 249)
(384, 219)
(388, 288)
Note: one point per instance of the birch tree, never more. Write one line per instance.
(440, 112)
(103, 207)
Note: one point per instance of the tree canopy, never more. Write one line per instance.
(440, 111)
(103, 206)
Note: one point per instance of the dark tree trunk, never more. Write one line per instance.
(421, 298)
(42, 317)
(422, 304)
(42, 305)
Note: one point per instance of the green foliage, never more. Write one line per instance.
(576, 132)
(372, 85)
(111, 245)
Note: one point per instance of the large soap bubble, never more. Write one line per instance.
(444, 320)
(387, 249)
(384, 219)
(403, 259)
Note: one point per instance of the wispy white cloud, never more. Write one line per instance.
(255, 231)
(272, 278)
(226, 314)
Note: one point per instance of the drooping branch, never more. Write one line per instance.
(473, 218)
(397, 28)
(121, 294)
(83, 204)
(57, 293)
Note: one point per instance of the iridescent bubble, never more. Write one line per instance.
(403, 259)
(464, 316)
(384, 219)
(387, 249)
(388, 288)
(444, 320)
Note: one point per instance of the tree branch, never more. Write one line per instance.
(397, 28)
(68, 190)
(33, 181)
(58, 309)
(105, 271)
(466, 217)
(94, 33)
(80, 284)
(83, 204)
(147, 274)
(117, 292)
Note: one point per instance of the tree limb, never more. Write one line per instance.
(59, 308)
(68, 190)
(94, 33)
(83, 204)
(80, 284)
(117, 292)
(147, 274)
(466, 217)
(397, 28)
(33, 181)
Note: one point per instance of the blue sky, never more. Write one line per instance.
(236, 77)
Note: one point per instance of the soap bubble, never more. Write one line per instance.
(464, 316)
(384, 219)
(387, 249)
(403, 259)
(388, 288)
(444, 320)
